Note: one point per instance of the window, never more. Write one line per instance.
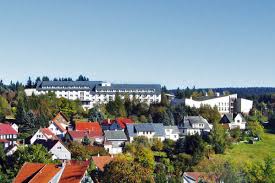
(59, 147)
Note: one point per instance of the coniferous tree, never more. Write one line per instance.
(29, 83)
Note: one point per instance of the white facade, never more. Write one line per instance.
(244, 105)
(224, 104)
(172, 133)
(59, 151)
(102, 92)
(57, 130)
(38, 135)
(112, 149)
(238, 123)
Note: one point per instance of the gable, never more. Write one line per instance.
(57, 147)
(238, 118)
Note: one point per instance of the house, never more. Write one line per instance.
(78, 136)
(234, 121)
(8, 135)
(91, 130)
(116, 124)
(44, 134)
(89, 126)
(91, 93)
(59, 125)
(58, 129)
(56, 148)
(194, 124)
(149, 130)
(68, 172)
(114, 141)
(172, 132)
(224, 103)
(101, 161)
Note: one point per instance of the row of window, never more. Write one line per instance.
(70, 87)
(8, 136)
(223, 109)
(223, 104)
(126, 91)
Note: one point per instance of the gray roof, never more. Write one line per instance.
(175, 129)
(96, 85)
(155, 87)
(89, 84)
(189, 120)
(144, 127)
(158, 128)
(230, 117)
(115, 135)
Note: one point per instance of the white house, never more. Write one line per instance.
(43, 134)
(8, 136)
(91, 93)
(148, 130)
(172, 132)
(57, 128)
(194, 125)
(234, 121)
(114, 141)
(224, 103)
(56, 148)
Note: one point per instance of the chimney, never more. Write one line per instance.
(217, 94)
(98, 155)
(112, 156)
(109, 121)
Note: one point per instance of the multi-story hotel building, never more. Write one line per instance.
(91, 93)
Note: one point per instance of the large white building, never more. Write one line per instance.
(91, 93)
(225, 103)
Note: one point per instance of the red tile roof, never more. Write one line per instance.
(4, 141)
(47, 131)
(46, 174)
(27, 171)
(121, 121)
(82, 134)
(6, 129)
(74, 171)
(92, 127)
(101, 161)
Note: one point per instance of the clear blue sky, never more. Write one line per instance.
(214, 43)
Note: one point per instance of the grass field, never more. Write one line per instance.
(241, 153)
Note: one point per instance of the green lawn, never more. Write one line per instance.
(241, 153)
